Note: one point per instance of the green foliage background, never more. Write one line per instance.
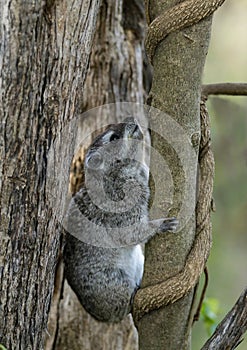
(227, 62)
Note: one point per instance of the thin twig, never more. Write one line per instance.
(224, 89)
(198, 311)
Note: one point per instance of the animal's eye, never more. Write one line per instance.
(114, 137)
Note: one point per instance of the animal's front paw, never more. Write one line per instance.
(169, 224)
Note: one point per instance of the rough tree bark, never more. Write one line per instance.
(178, 64)
(114, 75)
(229, 333)
(44, 53)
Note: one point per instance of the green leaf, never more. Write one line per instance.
(209, 314)
(2, 347)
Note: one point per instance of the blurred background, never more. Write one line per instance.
(227, 62)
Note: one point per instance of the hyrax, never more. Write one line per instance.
(107, 220)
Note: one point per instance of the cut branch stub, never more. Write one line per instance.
(239, 89)
(178, 17)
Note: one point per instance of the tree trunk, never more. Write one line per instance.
(178, 64)
(43, 56)
(114, 75)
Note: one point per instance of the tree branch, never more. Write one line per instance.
(224, 89)
(180, 16)
(158, 295)
(228, 334)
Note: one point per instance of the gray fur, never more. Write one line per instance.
(105, 278)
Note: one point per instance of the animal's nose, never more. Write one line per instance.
(135, 131)
(130, 120)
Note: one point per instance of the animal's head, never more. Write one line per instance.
(114, 163)
(119, 142)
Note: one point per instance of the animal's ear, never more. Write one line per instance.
(94, 160)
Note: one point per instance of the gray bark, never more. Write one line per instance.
(43, 59)
(114, 75)
(178, 64)
(229, 333)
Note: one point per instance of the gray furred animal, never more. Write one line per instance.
(105, 270)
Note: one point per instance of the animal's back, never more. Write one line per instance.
(108, 277)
